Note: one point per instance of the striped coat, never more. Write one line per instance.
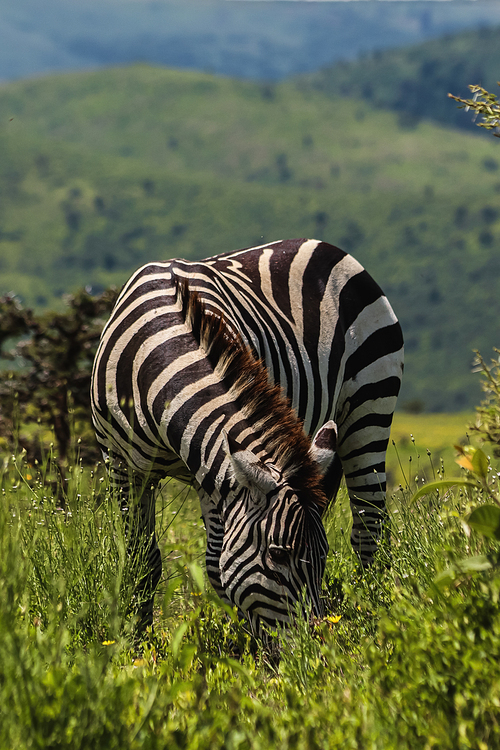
(260, 376)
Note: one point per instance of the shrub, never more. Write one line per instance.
(49, 388)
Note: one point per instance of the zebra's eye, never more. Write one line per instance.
(279, 555)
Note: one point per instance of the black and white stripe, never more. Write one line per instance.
(178, 390)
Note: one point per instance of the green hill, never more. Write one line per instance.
(414, 81)
(101, 172)
(187, 123)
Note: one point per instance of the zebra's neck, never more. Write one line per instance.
(231, 394)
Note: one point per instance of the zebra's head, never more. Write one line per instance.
(274, 551)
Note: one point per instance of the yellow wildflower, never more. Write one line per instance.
(333, 618)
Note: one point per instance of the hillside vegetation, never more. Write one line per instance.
(104, 171)
(415, 80)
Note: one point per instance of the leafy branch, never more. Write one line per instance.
(485, 105)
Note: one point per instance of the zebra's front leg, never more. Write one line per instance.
(136, 497)
(144, 552)
(215, 537)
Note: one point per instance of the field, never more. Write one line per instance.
(420, 442)
(398, 661)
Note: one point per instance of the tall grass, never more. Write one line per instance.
(398, 662)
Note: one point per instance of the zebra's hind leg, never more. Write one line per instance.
(367, 526)
(370, 524)
(136, 497)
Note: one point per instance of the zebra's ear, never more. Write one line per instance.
(324, 446)
(248, 469)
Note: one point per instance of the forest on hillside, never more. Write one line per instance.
(104, 171)
(414, 81)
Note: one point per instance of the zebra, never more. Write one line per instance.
(260, 376)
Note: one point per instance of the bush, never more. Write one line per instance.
(48, 390)
(487, 424)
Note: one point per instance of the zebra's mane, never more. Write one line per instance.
(265, 405)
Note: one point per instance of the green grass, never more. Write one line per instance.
(397, 663)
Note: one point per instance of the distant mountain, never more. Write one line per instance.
(103, 171)
(415, 81)
(258, 40)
